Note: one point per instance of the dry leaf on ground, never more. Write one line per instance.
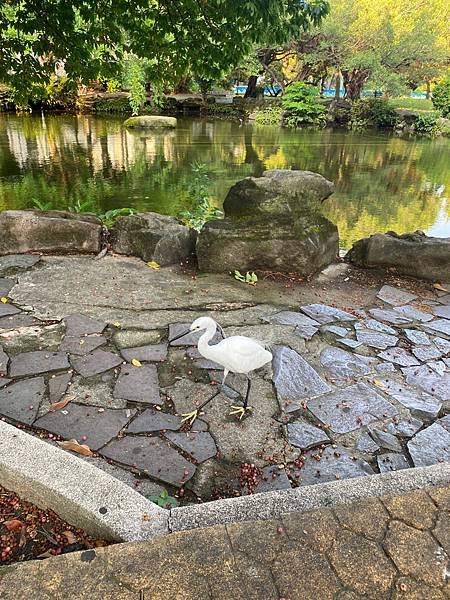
(61, 404)
(13, 525)
(76, 447)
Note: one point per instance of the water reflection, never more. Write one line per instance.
(382, 182)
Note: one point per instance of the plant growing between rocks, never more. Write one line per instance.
(164, 500)
(199, 198)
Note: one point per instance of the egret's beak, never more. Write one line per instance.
(177, 337)
(222, 332)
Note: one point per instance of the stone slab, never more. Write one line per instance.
(4, 360)
(79, 346)
(428, 380)
(352, 344)
(441, 326)
(336, 330)
(95, 362)
(417, 337)
(154, 420)
(152, 456)
(190, 339)
(343, 366)
(385, 440)
(399, 356)
(376, 339)
(366, 444)
(20, 401)
(442, 311)
(307, 332)
(426, 353)
(334, 463)
(37, 362)
(198, 444)
(6, 310)
(326, 314)
(151, 353)
(410, 312)
(392, 461)
(273, 478)
(389, 316)
(442, 345)
(287, 317)
(430, 446)
(138, 384)
(17, 320)
(404, 428)
(15, 263)
(376, 326)
(302, 434)
(57, 386)
(78, 325)
(6, 285)
(86, 424)
(395, 296)
(418, 402)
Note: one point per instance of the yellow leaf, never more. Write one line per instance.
(117, 324)
(4, 300)
(437, 286)
(379, 383)
(153, 264)
(136, 363)
(76, 447)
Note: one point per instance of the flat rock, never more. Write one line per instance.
(376, 339)
(395, 296)
(442, 311)
(404, 428)
(306, 331)
(190, 339)
(399, 356)
(96, 391)
(418, 402)
(392, 461)
(302, 434)
(351, 408)
(376, 326)
(4, 381)
(95, 362)
(349, 343)
(28, 339)
(438, 365)
(442, 345)
(198, 444)
(6, 286)
(295, 379)
(17, 320)
(4, 360)
(366, 444)
(385, 367)
(272, 478)
(131, 338)
(200, 362)
(15, 263)
(154, 420)
(86, 424)
(342, 365)
(334, 463)
(138, 384)
(79, 346)
(153, 456)
(287, 317)
(417, 337)
(7, 310)
(430, 446)
(386, 440)
(57, 386)
(428, 380)
(326, 314)
(151, 353)
(78, 325)
(426, 353)
(35, 363)
(413, 313)
(336, 330)
(20, 401)
(441, 326)
(389, 316)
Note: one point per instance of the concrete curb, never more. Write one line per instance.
(78, 492)
(271, 505)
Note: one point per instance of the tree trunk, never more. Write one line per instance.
(250, 92)
(337, 86)
(428, 94)
(354, 81)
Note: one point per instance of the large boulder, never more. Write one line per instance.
(153, 237)
(49, 232)
(152, 121)
(413, 254)
(273, 222)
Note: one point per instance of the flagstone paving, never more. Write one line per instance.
(352, 391)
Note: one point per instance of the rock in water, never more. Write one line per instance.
(273, 222)
(151, 121)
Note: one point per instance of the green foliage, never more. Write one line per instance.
(271, 115)
(164, 500)
(226, 111)
(41, 205)
(372, 112)
(82, 206)
(110, 216)
(302, 107)
(201, 207)
(250, 278)
(134, 80)
(112, 105)
(409, 103)
(113, 85)
(441, 97)
(427, 125)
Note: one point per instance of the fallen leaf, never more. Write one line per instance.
(437, 286)
(13, 525)
(136, 363)
(71, 537)
(61, 404)
(379, 384)
(117, 324)
(46, 554)
(153, 264)
(76, 447)
(4, 300)
(23, 536)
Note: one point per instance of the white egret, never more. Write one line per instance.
(236, 354)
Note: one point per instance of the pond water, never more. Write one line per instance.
(383, 182)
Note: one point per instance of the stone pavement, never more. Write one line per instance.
(354, 390)
(395, 547)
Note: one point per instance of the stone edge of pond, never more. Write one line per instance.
(78, 492)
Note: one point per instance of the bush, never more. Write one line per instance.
(372, 112)
(427, 125)
(271, 115)
(301, 104)
(441, 97)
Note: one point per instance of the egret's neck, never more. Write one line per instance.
(203, 343)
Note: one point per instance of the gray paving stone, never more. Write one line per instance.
(138, 384)
(6, 310)
(287, 317)
(307, 332)
(335, 463)
(442, 311)
(95, 362)
(273, 478)
(4, 381)
(399, 356)
(295, 379)
(385, 367)
(35, 363)
(79, 346)
(404, 428)
(200, 362)
(420, 403)
(151, 353)
(302, 434)
(336, 330)
(57, 386)
(191, 339)
(417, 337)
(20, 401)
(428, 380)
(389, 316)
(366, 444)
(392, 462)
(86, 424)
(154, 420)
(349, 343)
(151, 455)
(375, 339)
(14, 263)
(198, 444)
(386, 440)
(78, 325)
(442, 345)
(395, 296)
(441, 326)
(413, 313)
(351, 408)
(438, 365)
(376, 326)
(96, 391)
(4, 360)
(131, 338)
(444, 299)
(18, 320)
(342, 365)
(444, 422)
(430, 446)
(6, 285)
(425, 353)
(326, 314)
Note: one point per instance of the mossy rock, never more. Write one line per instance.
(151, 121)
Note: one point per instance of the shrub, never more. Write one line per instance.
(441, 97)
(372, 112)
(427, 125)
(302, 107)
(271, 115)
(201, 208)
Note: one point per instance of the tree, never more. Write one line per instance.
(176, 36)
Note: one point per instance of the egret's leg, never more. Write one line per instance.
(194, 414)
(240, 411)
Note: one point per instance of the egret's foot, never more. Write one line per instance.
(189, 417)
(239, 411)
